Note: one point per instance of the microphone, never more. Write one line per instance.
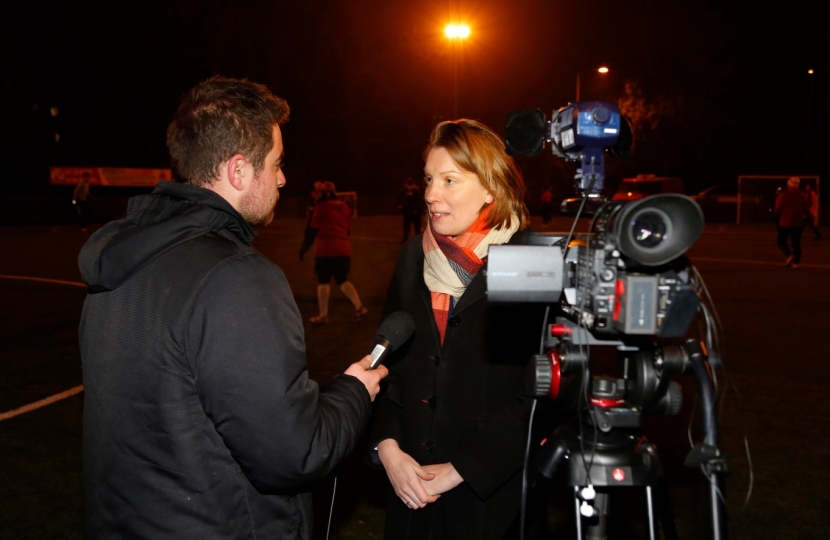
(392, 333)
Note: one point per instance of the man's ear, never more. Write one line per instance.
(236, 171)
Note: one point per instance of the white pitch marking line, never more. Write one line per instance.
(42, 403)
(749, 261)
(44, 280)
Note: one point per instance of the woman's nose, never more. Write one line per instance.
(430, 193)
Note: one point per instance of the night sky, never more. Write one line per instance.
(715, 91)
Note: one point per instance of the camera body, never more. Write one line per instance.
(626, 277)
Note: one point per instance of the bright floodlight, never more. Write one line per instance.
(457, 31)
(603, 69)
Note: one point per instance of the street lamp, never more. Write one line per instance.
(809, 146)
(603, 70)
(455, 33)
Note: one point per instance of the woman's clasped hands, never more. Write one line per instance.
(416, 486)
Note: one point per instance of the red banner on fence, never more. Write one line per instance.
(108, 176)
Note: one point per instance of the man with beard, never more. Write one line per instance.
(200, 420)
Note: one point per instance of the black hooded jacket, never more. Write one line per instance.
(200, 420)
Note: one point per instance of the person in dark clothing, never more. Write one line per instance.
(791, 212)
(811, 197)
(451, 426)
(200, 420)
(546, 200)
(80, 196)
(411, 205)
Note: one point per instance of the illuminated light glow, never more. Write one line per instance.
(457, 31)
(603, 69)
(618, 474)
(809, 71)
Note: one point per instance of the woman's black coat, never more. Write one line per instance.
(461, 403)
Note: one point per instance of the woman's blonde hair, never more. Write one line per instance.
(476, 149)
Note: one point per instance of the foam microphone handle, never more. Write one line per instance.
(392, 333)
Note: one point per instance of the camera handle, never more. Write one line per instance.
(707, 454)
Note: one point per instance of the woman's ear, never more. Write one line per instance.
(488, 199)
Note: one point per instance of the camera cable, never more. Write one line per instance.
(710, 332)
(579, 213)
(523, 509)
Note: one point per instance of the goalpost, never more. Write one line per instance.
(350, 198)
(757, 194)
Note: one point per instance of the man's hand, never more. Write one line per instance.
(370, 378)
(405, 474)
(445, 477)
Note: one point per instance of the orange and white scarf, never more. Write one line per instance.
(451, 264)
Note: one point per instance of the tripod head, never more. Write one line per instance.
(642, 387)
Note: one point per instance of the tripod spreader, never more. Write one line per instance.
(605, 460)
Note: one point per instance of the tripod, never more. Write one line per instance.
(601, 448)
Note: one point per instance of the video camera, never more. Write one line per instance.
(625, 281)
(623, 278)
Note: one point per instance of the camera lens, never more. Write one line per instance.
(648, 229)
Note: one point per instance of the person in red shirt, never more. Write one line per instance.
(329, 230)
(791, 212)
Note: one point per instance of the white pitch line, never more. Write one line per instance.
(56, 397)
(42, 403)
(765, 263)
(44, 280)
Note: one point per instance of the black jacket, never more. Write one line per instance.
(199, 417)
(461, 403)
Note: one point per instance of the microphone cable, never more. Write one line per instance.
(331, 508)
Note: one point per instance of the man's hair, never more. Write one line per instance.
(476, 149)
(219, 118)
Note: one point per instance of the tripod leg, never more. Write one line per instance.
(664, 512)
(652, 521)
